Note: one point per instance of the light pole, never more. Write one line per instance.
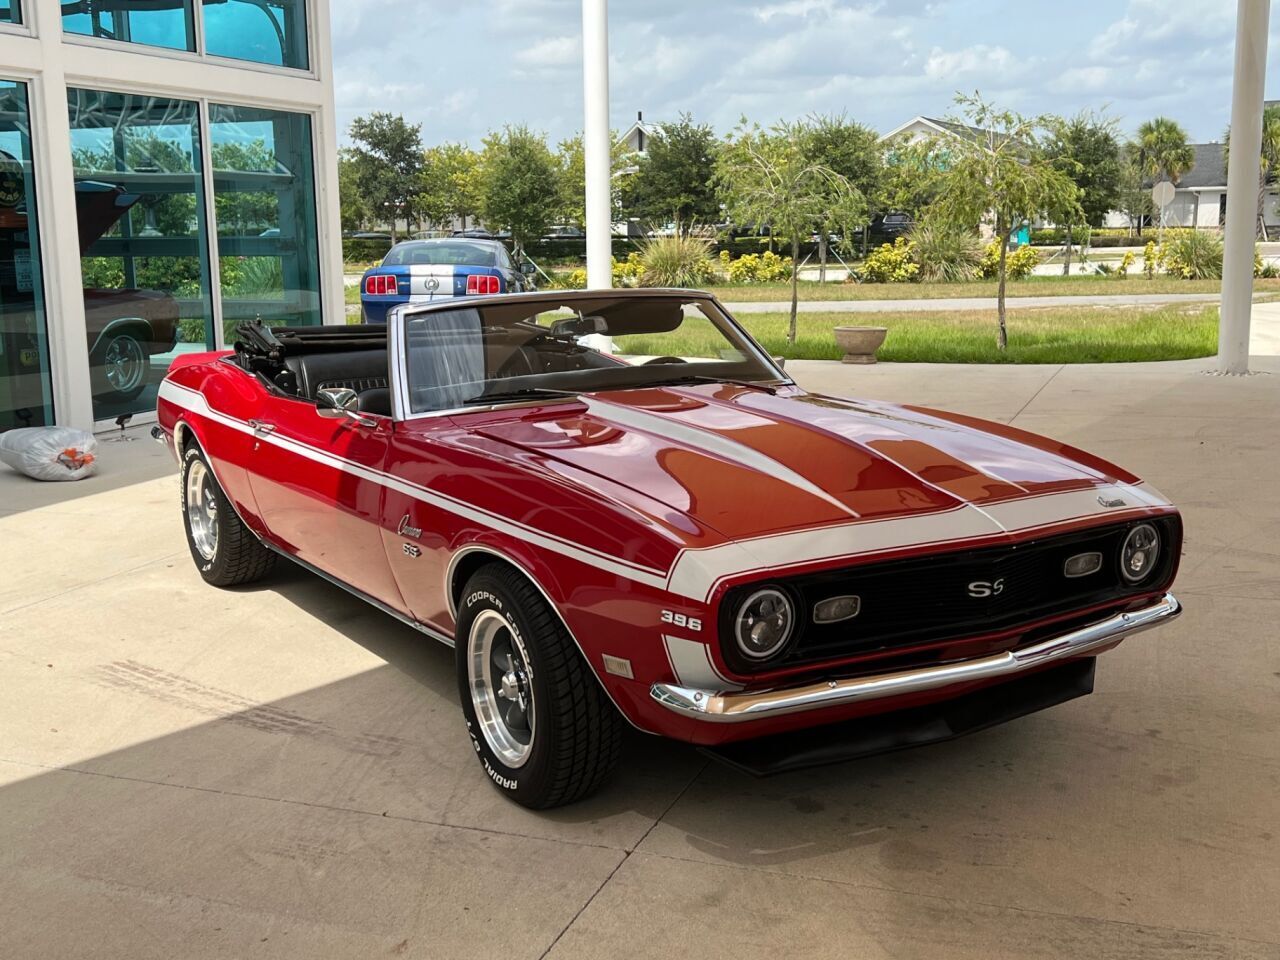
(1252, 20)
(595, 142)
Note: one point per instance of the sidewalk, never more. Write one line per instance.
(973, 303)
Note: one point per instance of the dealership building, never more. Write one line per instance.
(167, 170)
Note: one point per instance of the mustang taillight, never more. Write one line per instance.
(381, 285)
(482, 283)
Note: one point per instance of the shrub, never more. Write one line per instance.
(1017, 266)
(576, 280)
(892, 263)
(1263, 270)
(765, 267)
(1150, 259)
(945, 252)
(1125, 263)
(680, 260)
(628, 272)
(1195, 255)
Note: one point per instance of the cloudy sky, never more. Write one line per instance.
(463, 68)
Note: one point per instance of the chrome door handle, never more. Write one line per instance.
(262, 428)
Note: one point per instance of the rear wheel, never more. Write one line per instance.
(225, 551)
(122, 364)
(542, 727)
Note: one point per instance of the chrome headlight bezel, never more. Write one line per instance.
(1152, 550)
(766, 592)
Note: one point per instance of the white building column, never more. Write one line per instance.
(1252, 21)
(596, 142)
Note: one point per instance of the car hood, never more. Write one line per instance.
(749, 464)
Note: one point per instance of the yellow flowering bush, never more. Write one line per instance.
(892, 263)
(1018, 263)
(765, 267)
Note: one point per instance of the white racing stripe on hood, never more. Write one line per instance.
(711, 442)
(697, 571)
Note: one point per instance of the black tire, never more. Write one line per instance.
(236, 555)
(576, 731)
(121, 366)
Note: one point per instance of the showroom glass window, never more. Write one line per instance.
(264, 31)
(10, 11)
(26, 398)
(166, 24)
(265, 199)
(144, 250)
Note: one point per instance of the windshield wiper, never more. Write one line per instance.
(705, 378)
(524, 393)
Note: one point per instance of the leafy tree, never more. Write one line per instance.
(1134, 197)
(450, 184)
(1087, 149)
(1161, 150)
(1269, 167)
(246, 212)
(675, 177)
(519, 184)
(387, 157)
(912, 175)
(851, 150)
(767, 177)
(573, 177)
(1001, 170)
(354, 211)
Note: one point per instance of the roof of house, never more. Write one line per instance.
(949, 127)
(1209, 169)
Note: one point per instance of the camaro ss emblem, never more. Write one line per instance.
(407, 531)
(986, 588)
(433, 284)
(411, 550)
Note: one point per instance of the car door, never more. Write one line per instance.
(318, 485)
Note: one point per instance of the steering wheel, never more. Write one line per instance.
(664, 360)
(511, 368)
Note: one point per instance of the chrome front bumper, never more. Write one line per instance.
(737, 707)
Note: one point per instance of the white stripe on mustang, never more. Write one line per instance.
(696, 571)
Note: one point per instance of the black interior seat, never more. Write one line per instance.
(358, 370)
(376, 401)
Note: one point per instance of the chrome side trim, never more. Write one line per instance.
(719, 707)
(119, 322)
(372, 601)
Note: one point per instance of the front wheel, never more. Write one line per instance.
(123, 363)
(225, 551)
(542, 727)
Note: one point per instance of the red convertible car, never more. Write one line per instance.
(618, 509)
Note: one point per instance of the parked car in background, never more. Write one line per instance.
(890, 226)
(690, 544)
(419, 271)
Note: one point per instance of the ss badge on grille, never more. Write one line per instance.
(986, 588)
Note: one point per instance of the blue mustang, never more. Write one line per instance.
(419, 271)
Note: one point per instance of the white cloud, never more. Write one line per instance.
(553, 52)
(978, 59)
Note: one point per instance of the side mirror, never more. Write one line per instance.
(341, 403)
(579, 327)
(528, 268)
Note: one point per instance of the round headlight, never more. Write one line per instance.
(1139, 554)
(764, 623)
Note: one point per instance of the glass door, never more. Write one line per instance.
(144, 241)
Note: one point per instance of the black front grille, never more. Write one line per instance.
(932, 598)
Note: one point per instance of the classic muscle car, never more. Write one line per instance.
(618, 509)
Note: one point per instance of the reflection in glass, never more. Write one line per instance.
(25, 391)
(264, 31)
(10, 11)
(265, 198)
(143, 241)
(159, 23)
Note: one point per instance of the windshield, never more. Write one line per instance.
(524, 349)
(442, 253)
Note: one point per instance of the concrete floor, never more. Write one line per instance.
(280, 771)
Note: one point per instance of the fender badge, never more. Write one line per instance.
(405, 530)
(1106, 502)
(411, 550)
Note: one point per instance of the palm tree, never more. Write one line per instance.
(1162, 152)
(1269, 168)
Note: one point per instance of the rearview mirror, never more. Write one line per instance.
(528, 268)
(341, 403)
(579, 326)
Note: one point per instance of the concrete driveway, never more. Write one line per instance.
(282, 772)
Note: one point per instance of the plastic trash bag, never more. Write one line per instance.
(50, 453)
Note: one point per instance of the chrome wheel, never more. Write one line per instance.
(202, 509)
(124, 364)
(501, 687)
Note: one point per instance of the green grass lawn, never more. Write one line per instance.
(1052, 335)
(1030, 287)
